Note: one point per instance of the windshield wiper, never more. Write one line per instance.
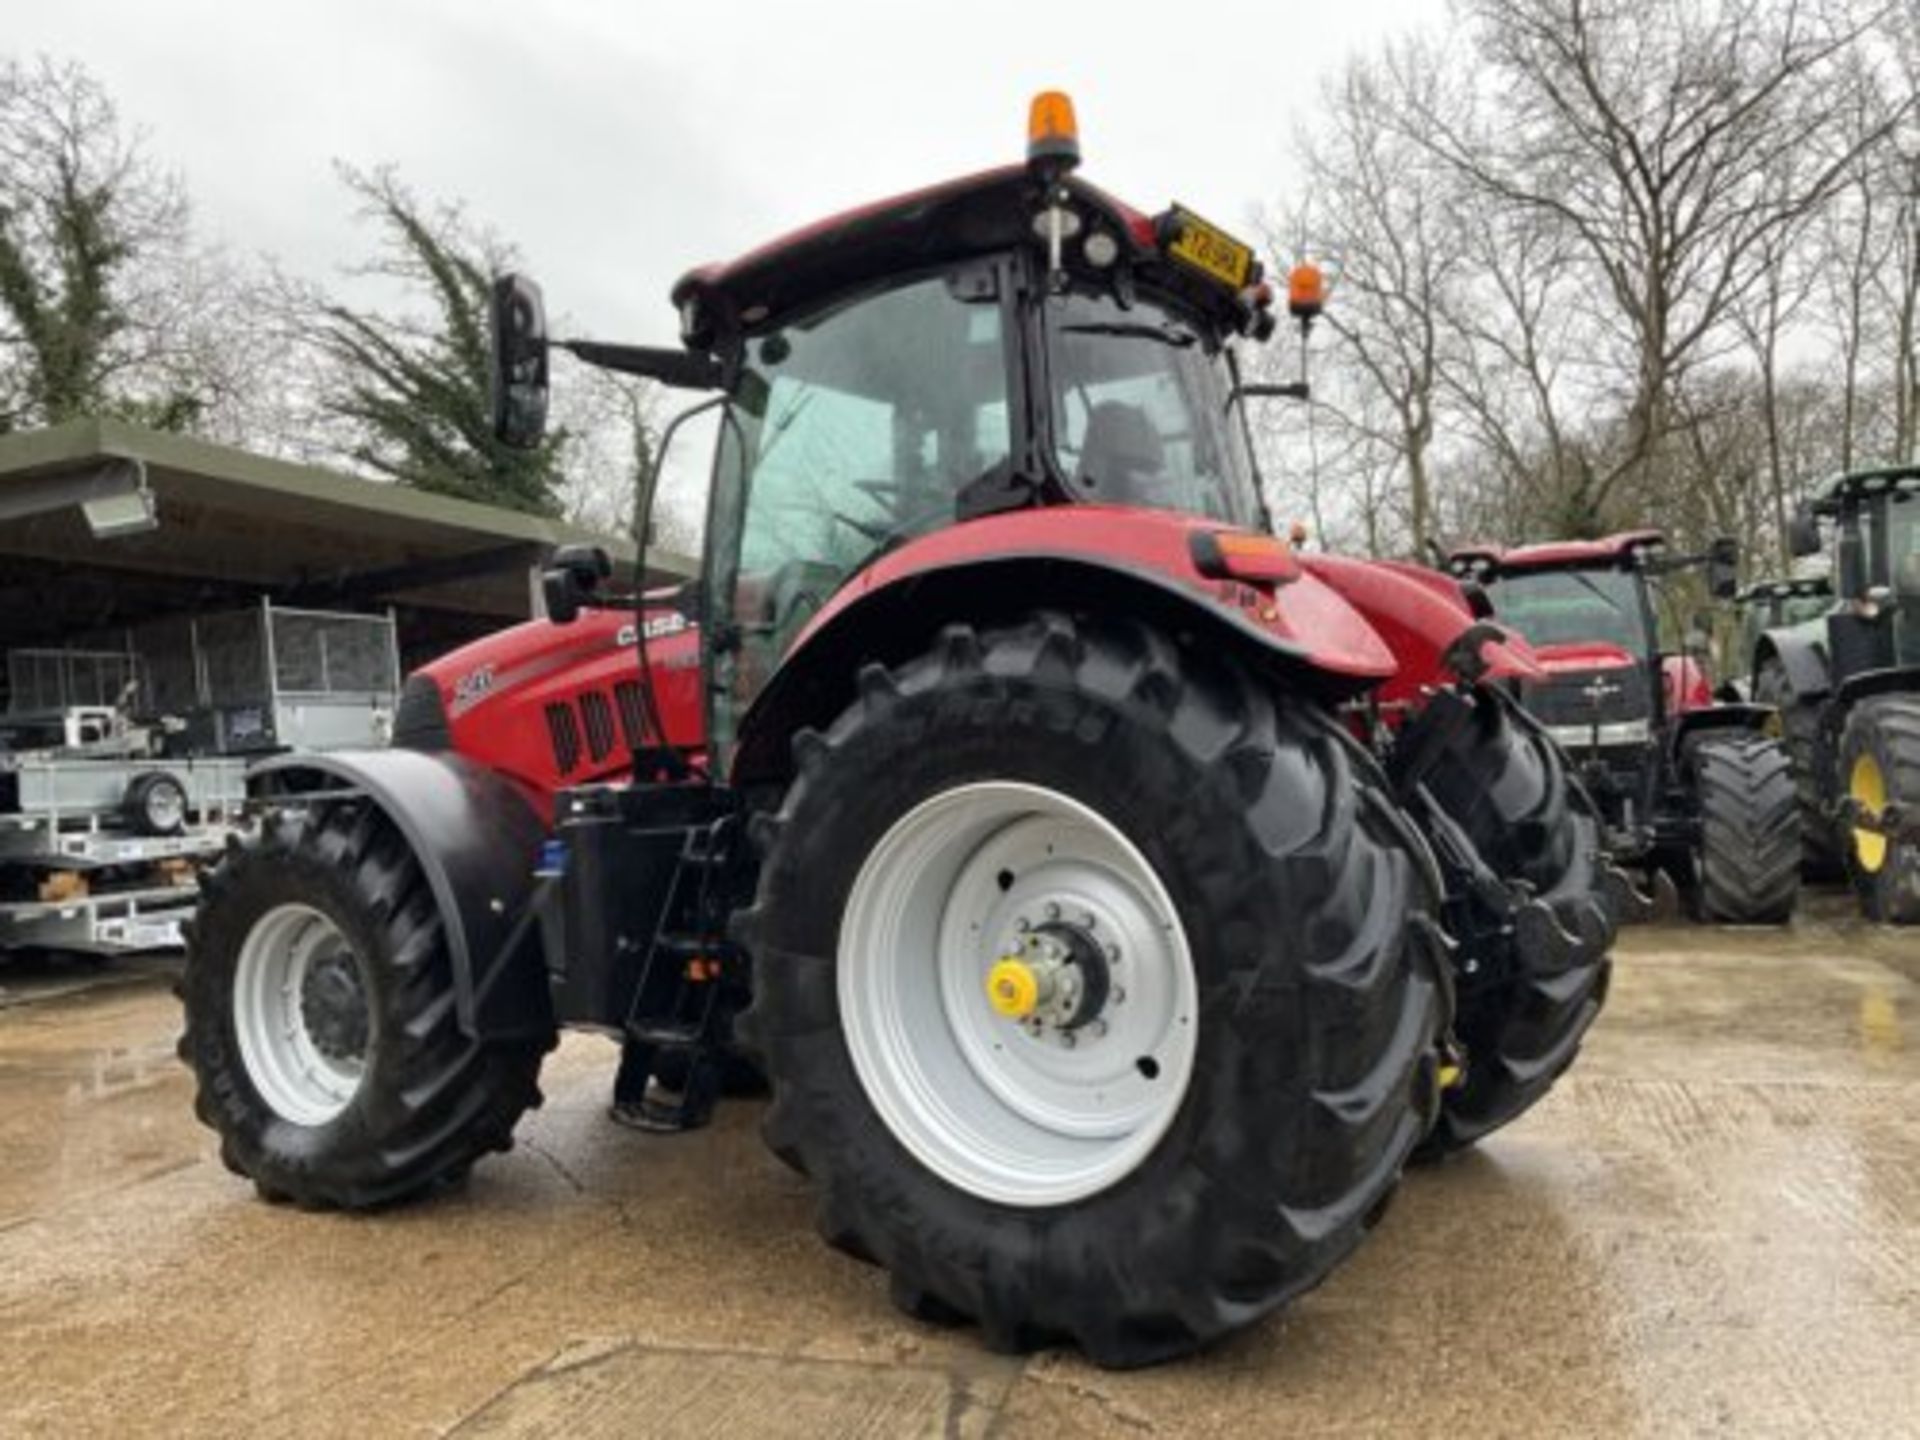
(1179, 339)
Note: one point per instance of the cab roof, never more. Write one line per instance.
(1855, 483)
(1608, 552)
(977, 214)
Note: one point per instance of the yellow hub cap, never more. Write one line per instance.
(1013, 989)
(1868, 788)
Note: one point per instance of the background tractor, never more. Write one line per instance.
(1691, 789)
(1115, 898)
(1847, 684)
(1771, 605)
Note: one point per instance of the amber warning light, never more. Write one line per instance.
(1053, 135)
(1306, 292)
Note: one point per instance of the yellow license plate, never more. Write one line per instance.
(1210, 250)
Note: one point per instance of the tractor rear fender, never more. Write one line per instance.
(1802, 653)
(1302, 630)
(477, 838)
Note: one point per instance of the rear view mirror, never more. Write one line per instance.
(571, 581)
(519, 362)
(1803, 533)
(1723, 568)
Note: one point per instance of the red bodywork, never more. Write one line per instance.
(1607, 552)
(550, 706)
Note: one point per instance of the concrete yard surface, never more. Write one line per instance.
(1712, 1226)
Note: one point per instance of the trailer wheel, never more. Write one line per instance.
(1749, 830)
(320, 1019)
(1096, 987)
(1522, 1012)
(1880, 769)
(155, 804)
(1799, 730)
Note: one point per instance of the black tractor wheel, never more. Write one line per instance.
(1096, 985)
(155, 804)
(1749, 862)
(320, 1020)
(1536, 925)
(1799, 731)
(1880, 774)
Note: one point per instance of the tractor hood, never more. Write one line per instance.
(1584, 656)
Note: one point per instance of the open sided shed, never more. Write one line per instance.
(77, 558)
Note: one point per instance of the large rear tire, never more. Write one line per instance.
(320, 1019)
(1879, 767)
(1524, 1004)
(1256, 895)
(1749, 830)
(1821, 853)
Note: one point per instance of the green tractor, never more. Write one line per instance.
(1771, 605)
(1847, 686)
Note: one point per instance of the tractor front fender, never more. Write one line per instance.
(1332, 653)
(1802, 653)
(1890, 680)
(1436, 634)
(1690, 723)
(477, 838)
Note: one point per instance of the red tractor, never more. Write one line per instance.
(1114, 898)
(1693, 791)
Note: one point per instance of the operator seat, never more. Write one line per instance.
(1121, 457)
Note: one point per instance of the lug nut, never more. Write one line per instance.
(1067, 1040)
(1022, 924)
(1113, 954)
(1087, 920)
(1053, 911)
(1096, 1029)
(1119, 995)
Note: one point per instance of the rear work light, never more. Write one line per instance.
(1234, 555)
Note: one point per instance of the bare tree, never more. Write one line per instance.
(1652, 134)
(107, 304)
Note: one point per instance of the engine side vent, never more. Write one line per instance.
(565, 731)
(632, 724)
(598, 717)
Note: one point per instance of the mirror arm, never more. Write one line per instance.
(1295, 390)
(681, 369)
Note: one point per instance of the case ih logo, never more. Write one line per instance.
(1599, 691)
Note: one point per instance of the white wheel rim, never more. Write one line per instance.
(300, 1075)
(1003, 1109)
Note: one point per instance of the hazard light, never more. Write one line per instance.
(1235, 555)
(1053, 134)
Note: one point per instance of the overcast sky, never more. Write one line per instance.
(619, 144)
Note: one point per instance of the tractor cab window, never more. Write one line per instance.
(1140, 413)
(850, 432)
(1903, 572)
(1571, 607)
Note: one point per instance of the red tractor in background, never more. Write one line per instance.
(1114, 898)
(1693, 790)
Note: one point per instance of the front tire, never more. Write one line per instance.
(1820, 847)
(1533, 967)
(320, 1019)
(1749, 830)
(1270, 908)
(1880, 767)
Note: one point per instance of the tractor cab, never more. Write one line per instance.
(1875, 516)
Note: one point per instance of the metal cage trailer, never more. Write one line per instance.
(102, 854)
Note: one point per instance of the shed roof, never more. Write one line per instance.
(235, 526)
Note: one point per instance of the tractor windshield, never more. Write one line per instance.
(1903, 572)
(1140, 411)
(1572, 607)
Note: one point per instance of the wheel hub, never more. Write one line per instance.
(334, 1007)
(1055, 982)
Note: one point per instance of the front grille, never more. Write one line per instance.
(1590, 697)
(632, 720)
(420, 719)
